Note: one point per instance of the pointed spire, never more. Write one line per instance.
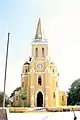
(38, 31)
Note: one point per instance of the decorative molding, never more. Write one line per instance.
(47, 86)
(32, 70)
(46, 105)
(24, 75)
(41, 60)
(32, 98)
(46, 98)
(32, 105)
(46, 70)
(39, 41)
(31, 86)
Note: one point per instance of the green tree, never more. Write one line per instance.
(74, 93)
(7, 101)
(17, 89)
(13, 93)
(23, 96)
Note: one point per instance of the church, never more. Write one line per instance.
(39, 77)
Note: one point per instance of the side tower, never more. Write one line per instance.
(38, 66)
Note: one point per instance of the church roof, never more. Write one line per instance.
(40, 41)
(26, 63)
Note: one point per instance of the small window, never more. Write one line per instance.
(56, 84)
(16, 98)
(58, 74)
(26, 70)
(53, 94)
(62, 97)
(39, 80)
(22, 84)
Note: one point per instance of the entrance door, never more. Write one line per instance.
(39, 99)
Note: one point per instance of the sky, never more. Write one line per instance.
(61, 23)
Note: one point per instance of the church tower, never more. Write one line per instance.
(39, 55)
(39, 77)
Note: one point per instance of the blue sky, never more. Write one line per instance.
(61, 24)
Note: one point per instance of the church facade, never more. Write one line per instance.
(39, 77)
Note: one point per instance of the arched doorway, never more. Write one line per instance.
(39, 99)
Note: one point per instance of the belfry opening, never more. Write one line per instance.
(39, 99)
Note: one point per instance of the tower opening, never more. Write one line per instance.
(42, 52)
(36, 52)
(39, 99)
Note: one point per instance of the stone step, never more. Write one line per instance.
(39, 109)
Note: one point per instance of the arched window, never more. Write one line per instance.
(42, 52)
(53, 70)
(62, 97)
(56, 84)
(16, 98)
(53, 94)
(36, 52)
(39, 80)
(26, 70)
(22, 84)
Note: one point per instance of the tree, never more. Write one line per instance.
(23, 96)
(74, 93)
(13, 93)
(7, 101)
(17, 89)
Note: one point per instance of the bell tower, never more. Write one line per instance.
(39, 44)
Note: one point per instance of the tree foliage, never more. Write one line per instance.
(74, 93)
(23, 96)
(17, 89)
(7, 101)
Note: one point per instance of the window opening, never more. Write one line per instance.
(39, 80)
